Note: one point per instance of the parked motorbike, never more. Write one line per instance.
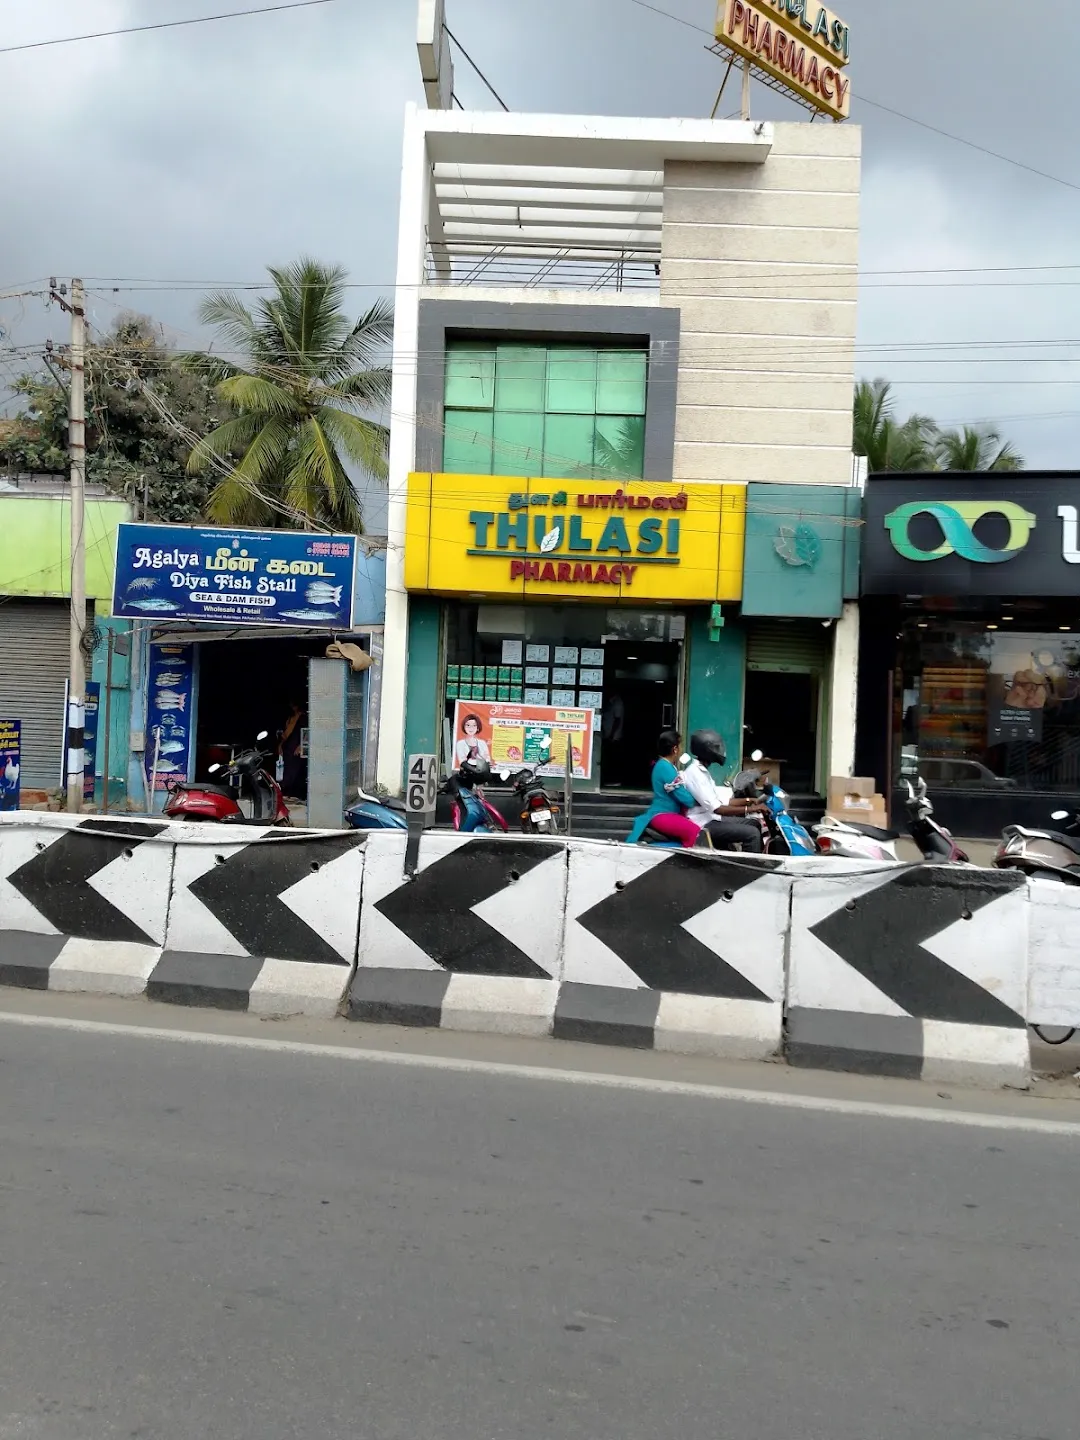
(1043, 854)
(539, 815)
(255, 798)
(368, 812)
(472, 811)
(785, 834)
(935, 842)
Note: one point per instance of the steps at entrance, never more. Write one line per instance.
(609, 814)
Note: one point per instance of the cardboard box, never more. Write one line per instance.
(856, 804)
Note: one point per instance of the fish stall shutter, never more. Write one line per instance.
(788, 646)
(34, 645)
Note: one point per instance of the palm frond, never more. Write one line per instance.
(230, 437)
(257, 396)
(365, 442)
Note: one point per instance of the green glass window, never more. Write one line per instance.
(567, 411)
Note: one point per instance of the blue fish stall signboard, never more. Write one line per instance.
(234, 577)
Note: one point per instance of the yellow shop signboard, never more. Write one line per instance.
(636, 541)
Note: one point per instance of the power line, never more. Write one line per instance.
(476, 67)
(900, 114)
(163, 25)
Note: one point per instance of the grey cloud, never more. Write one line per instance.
(206, 153)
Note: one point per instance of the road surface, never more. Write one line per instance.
(259, 1243)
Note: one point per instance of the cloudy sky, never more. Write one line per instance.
(196, 156)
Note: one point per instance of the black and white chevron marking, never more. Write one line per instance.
(898, 972)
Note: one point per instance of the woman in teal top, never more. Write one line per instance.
(667, 813)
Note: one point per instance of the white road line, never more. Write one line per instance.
(643, 1084)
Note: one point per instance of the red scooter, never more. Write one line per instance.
(255, 799)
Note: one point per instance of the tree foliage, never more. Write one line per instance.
(131, 446)
(917, 444)
(304, 388)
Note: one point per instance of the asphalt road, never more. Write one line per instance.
(208, 1241)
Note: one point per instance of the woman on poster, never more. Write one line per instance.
(473, 746)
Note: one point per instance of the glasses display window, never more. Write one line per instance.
(980, 707)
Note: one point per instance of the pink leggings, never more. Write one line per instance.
(677, 827)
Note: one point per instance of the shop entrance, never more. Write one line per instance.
(641, 695)
(246, 686)
(781, 719)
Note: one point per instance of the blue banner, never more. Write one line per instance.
(10, 763)
(168, 712)
(234, 577)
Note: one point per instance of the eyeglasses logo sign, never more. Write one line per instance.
(958, 519)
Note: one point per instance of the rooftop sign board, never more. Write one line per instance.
(796, 46)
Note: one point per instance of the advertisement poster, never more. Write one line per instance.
(507, 735)
(168, 712)
(10, 763)
(234, 577)
(90, 738)
(1033, 678)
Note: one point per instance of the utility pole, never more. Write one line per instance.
(76, 715)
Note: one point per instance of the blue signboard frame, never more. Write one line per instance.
(289, 578)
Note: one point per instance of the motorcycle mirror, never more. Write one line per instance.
(1059, 815)
(685, 759)
(758, 755)
(213, 769)
(504, 774)
(545, 744)
(262, 734)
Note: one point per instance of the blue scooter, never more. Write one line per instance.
(787, 834)
(370, 813)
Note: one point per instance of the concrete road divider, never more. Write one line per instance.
(916, 971)
(241, 918)
(1054, 980)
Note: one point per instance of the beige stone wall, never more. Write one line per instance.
(763, 262)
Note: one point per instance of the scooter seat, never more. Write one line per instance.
(204, 787)
(872, 832)
(1071, 842)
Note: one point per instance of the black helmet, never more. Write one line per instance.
(474, 771)
(708, 747)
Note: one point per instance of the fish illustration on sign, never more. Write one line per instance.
(173, 747)
(169, 677)
(170, 700)
(322, 617)
(152, 605)
(320, 593)
(149, 603)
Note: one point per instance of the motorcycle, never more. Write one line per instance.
(1044, 854)
(255, 799)
(472, 811)
(368, 812)
(934, 841)
(848, 840)
(539, 814)
(785, 834)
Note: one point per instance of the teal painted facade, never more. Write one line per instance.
(802, 550)
(119, 710)
(715, 671)
(423, 722)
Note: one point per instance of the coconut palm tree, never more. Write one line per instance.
(304, 384)
(887, 443)
(976, 447)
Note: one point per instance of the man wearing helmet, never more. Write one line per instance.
(729, 822)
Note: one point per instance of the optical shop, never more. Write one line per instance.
(598, 613)
(970, 644)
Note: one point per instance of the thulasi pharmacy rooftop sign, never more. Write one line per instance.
(795, 45)
(499, 536)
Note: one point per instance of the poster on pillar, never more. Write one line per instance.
(169, 721)
(91, 709)
(635, 540)
(510, 736)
